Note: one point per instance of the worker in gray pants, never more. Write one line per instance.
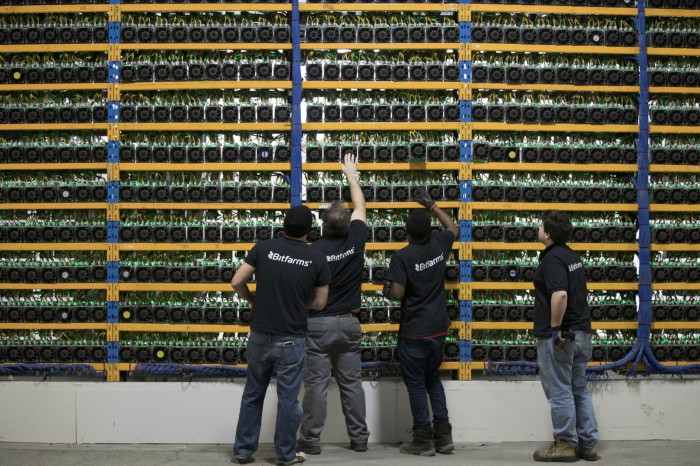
(334, 333)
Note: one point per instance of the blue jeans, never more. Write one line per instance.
(268, 354)
(420, 362)
(563, 375)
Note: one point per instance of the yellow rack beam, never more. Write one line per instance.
(554, 87)
(674, 52)
(178, 287)
(570, 167)
(199, 328)
(656, 168)
(676, 247)
(388, 126)
(535, 48)
(54, 166)
(334, 166)
(203, 205)
(377, 7)
(53, 246)
(53, 286)
(32, 48)
(174, 85)
(385, 46)
(674, 208)
(168, 7)
(147, 167)
(554, 206)
(55, 127)
(185, 246)
(53, 87)
(52, 326)
(675, 325)
(530, 286)
(674, 90)
(484, 126)
(54, 205)
(675, 286)
(550, 9)
(529, 325)
(54, 9)
(205, 126)
(207, 46)
(377, 287)
(669, 12)
(538, 246)
(411, 85)
(387, 205)
(675, 129)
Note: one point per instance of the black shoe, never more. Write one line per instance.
(422, 444)
(442, 436)
(308, 449)
(358, 447)
(243, 459)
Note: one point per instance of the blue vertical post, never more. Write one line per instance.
(645, 312)
(296, 175)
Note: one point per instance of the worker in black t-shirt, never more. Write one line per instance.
(291, 279)
(562, 324)
(417, 278)
(333, 341)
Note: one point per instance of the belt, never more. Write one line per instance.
(347, 314)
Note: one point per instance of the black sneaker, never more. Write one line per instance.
(300, 458)
(308, 449)
(242, 459)
(358, 447)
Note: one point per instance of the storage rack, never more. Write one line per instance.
(114, 129)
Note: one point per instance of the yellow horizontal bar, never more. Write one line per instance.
(675, 286)
(30, 48)
(386, 205)
(569, 167)
(656, 168)
(385, 46)
(185, 246)
(377, 287)
(675, 325)
(205, 126)
(674, 90)
(676, 247)
(53, 87)
(674, 129)
(674, 52)
(529, 286)
(379, 328)
(450, 366)
(174, 85)
(669, 12)
(52, 326)
(535, 48)
(168, 7)
(54, 166)
(130, 366)
(412, 126)
(54, 9)
(667, 207)
(54, 127)
(554, 87)
(483, 126)
(178, 287)
(201, 328)
(53, 286)
(202, 205)
(554, 206)
(477, 246)
(207, 167)
(207, 46)
(377, 7)
(427, 85)
(54, 205)
(480, 366)
(529, 325)
(53, 246)
(393, 166)
(550, 9)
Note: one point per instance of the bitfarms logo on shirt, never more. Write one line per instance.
(426, 265)
(287, 260)
(341, 256)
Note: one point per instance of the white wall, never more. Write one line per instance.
(480, 411)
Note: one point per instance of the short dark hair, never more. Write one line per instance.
(418, 225)
(336, 220)
(557, 225)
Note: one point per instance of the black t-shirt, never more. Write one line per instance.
(346, 258)
(561, 269)
(421, 269)
(286, 272)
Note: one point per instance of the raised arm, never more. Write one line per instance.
(445, 220)
(359, 211)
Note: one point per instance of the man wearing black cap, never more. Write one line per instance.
(291, 279)
(417, 278)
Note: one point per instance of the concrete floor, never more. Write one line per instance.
(617, 453)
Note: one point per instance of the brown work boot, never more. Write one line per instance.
(560, 451)
(422, 444)
(442, 436)
(587, 453)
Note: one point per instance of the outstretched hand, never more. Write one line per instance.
(350, 165)
(422, 197)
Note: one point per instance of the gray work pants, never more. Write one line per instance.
(333, 342)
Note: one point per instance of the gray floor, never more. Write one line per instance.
(618, 453)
